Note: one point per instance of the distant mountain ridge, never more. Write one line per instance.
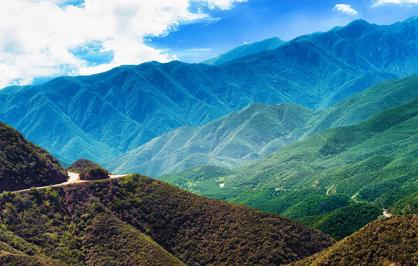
(257, 131)
(240, 137)
(245, 50)
(103, 116)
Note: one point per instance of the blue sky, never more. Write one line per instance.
(41, 39)
(260, 19)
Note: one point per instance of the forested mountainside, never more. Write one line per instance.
(139, 221)
(240, 137)
(246, 50)
(362, 168)
(23, 165)
(257, 131)
(384, 242)
(100, 117)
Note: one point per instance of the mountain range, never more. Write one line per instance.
(103, 116)
(257, 131)
(322, 130)
(240, 137)
(136, 220)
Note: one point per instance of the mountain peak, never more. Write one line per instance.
(359, 24)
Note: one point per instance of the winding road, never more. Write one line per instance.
(73, 178)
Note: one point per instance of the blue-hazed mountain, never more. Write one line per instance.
(245, 50)
(101, 116)
(257, 131)
(239, 137)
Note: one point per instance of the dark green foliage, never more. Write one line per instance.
(347, 220)
(92, 223)
(385, 242)
(89, 170)
(316, 205)
(24, 165)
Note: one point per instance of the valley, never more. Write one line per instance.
(301, 151)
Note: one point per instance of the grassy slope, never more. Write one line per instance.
(75, 224)
(385, 242)
(373, 162)
(23, 165)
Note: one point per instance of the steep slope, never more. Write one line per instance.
(245, 50)
(114, 112)
(243, 136)
(362, 105)
(107, 232)
(384, 242)
(257, 131)
(107, 221)
(373, 162)
(16, 251)
(23, 165)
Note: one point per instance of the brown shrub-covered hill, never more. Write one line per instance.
(136, 220)
(384, 242)
(89, 170)
(24, 165)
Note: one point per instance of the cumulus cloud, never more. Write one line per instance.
(39, 37)
(221, 4)
(346, 9)
(396, 2)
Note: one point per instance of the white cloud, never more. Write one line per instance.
(37, 36)
(221, 4)
(346, 9)
(396, 2)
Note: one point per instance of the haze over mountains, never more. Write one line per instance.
(100, 117)
(257, 131)
(240, 137)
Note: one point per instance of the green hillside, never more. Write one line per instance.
(232, 140)
(373, 162)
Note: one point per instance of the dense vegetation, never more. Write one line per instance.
(121, 221)
(88, 170)
(24, 165)
(318, 179)
(385, 242)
